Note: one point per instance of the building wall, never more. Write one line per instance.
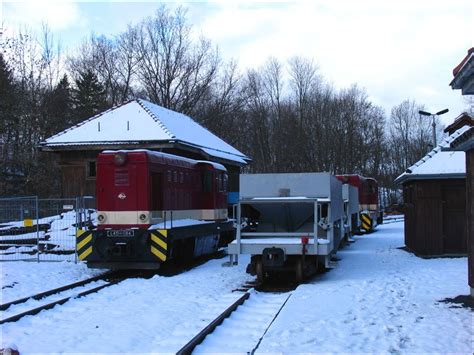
(76, 179)
(470, 213)
(434, 216)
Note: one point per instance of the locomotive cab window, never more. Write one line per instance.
(207, 181)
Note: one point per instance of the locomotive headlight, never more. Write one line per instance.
(101, 217)
(143, 217)
(120, 158)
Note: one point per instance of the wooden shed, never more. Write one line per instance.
(434, 193)
(464, 81)
(137, 124)
(465, 142)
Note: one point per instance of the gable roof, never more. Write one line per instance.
(464, 119)
(464, 141)
(464, 74)
(438, 164)
(138, 122)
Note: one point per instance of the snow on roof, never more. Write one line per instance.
(470, 54)
(142, 121)
(463, 74)
(438, 164)
(464, 141)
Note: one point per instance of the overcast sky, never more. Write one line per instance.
(396, 50)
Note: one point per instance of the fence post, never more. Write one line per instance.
(37, 228)
(78, 211)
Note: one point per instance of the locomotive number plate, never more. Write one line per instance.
(121, 233)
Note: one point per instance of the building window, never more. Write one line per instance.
(91, 169)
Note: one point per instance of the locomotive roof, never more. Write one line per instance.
(140, 123)
(170, 156)
(438, 164)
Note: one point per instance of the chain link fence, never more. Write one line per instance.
(34, 229)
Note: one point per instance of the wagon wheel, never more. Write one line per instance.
(299, 270)
(259, 270)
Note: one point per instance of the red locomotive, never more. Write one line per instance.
(368, 200)
(154, 206)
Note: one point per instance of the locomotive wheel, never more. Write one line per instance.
(299, 270)
(259, 270)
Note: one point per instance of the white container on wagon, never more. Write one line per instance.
(350, 195)
(291, 221)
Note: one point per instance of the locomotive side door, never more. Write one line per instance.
(156, 196)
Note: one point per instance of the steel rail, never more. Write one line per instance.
(41, 295)
(52, 304)
(393, 220)
(189, 347)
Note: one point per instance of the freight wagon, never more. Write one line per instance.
(288, 222)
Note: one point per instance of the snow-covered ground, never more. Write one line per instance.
(378, 299)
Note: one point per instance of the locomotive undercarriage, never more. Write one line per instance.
(148, 249)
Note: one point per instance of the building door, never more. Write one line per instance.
(454, 218)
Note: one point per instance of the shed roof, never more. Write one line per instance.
(438, 163)
(464, 74)
(138, 121)
(464, 119)
(464, 141)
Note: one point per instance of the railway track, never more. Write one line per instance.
(241, 327)
(393, 220)
(31, 305)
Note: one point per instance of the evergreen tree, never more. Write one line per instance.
(10, 129)
(7, 96)
(7, 103)
(57, 108)
(89, 96)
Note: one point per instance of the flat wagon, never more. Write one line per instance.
(292, 221)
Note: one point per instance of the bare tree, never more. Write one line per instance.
(304, 76)
(32, 67)
(111, 60)
(174, 71)
(409, 135)
(51, 57)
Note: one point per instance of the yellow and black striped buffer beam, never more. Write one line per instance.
(159, 243)
(83, 244)
(366, 221)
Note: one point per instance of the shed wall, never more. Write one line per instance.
(470, 213)
(434, 215)
(75, 179)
